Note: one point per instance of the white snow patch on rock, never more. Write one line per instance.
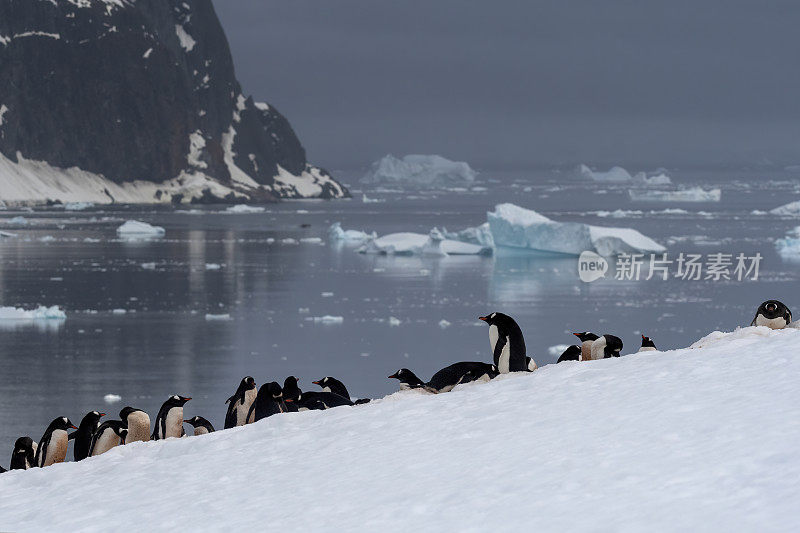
(187, 43)
(196, 144)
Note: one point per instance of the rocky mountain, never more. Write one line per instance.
(136, 101)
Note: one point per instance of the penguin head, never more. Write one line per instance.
(177, 401)
(122, 432)
(196, 421)
(773, 309)
(23, 444)
(492, 318)
(586, 336)
(647, 342)
(274, 389)
(91, 418)
(408, 378)
(333, 385)
(62, 423)
(126, 411)
(248, 383)
(291, 391)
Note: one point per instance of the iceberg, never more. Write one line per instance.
(789, 245)
(788, 210)
(481, 235)
(620, 175)
(135, 228)
(693, 194)
(40, 313)
(77, 206)
(433, 244)
(516, 227)
(336, 233)
(419, 171)
(244, 208)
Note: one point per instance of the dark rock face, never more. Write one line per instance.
(143, 90)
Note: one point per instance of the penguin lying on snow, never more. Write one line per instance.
(648, 345)
(445, 379)
(269, 401)
(572, 353)
(507, 343)
(239, 404)
(24, 455)
(201, 425)
(606, 346)
(169, 422)
(773, 314)
(138, 424)
(302, 401)
(586, 338)
(83, 437)
(109, 434)
(335, 386)
(53, 446)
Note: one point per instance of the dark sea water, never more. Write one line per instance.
(164, 344)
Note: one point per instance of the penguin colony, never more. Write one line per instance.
(251, 403)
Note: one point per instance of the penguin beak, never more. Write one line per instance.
(288, 400)
(316, 382)
(73, 427)
(577, 334)
(484, 318)
(643, 337)
(102, 414)
(393, 376)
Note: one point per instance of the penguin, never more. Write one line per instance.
(291, 392)
(773, 314)
(24, 455)
(531, 364)
(319, 400)
(587, 338)
(83, 437)
(606, 346)
(507, 343)
(335, 386)
(201, 425)
(169, 421)
(572, 353)
(269, 401)
(445, 379)
(109, 434)
(138, 424)
(53, 446)
(239, 404)
(647, 345)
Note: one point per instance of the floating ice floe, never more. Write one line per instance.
(444, 324)
(40, 313)
(336, 233)
(481, 235)
(328, 319)
(213, 266)
(311, 240)
(366, 200)
(219, 317)
(433, 244)
(244, 208)
(788, 210)
(516, 227)
(112, 398)
(693, 194)
(135, 228)
(419, 171)
(77, 206)
(17, 221)
(557, 350)
(7, 235)
(620, 175)
(789, 245)
(148, 266)
(393, 321)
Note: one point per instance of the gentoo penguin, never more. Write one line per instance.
(587, 338)
(138, 424)
(169, 422)
(572, 353)
(647, 345)
(507, 343)
(269, 401)
(24, 455)
(772, 314)
(606, 346)
(319, 400)
(83, 437)
(291, 392)
(239, 404)
(201, 425)
(445, 379)
(53, 446)
(335, 386)
(109, 434)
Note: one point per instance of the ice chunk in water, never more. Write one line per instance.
(420, 171)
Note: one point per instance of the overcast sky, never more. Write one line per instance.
(518, 84)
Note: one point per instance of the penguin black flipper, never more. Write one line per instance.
(572, 353)
(2, 470)
(230, 416)
(72, 436)
(362, 401)
(41, 451)
(250, 412)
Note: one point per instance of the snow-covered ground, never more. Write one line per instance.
(698, 439)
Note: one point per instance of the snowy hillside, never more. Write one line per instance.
(695, 439)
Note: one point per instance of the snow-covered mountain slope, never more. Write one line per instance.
(136, 102)
(697, 439)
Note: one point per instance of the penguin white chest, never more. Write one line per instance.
(242, 410)
(586, 350)
(174, 423)
(107, 440)
(200, 430)
(494, 334)
(647, 349)
(138, 427)
(598, 348)
(504, 363)
(772, 323)
(57, 448)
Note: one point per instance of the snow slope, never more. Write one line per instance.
(699, 439)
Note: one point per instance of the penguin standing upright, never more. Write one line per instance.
(606, 346)
(109, 434)
(138, 424)
(201, 425)
(773, 314)
(269, 401)
(53, 446)
(83, 437)
(291, 392)
(239, 404)
(507, 343)
(586, 338)
(24, 455)
(169, 421)
(647, 345)
(572, 353)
